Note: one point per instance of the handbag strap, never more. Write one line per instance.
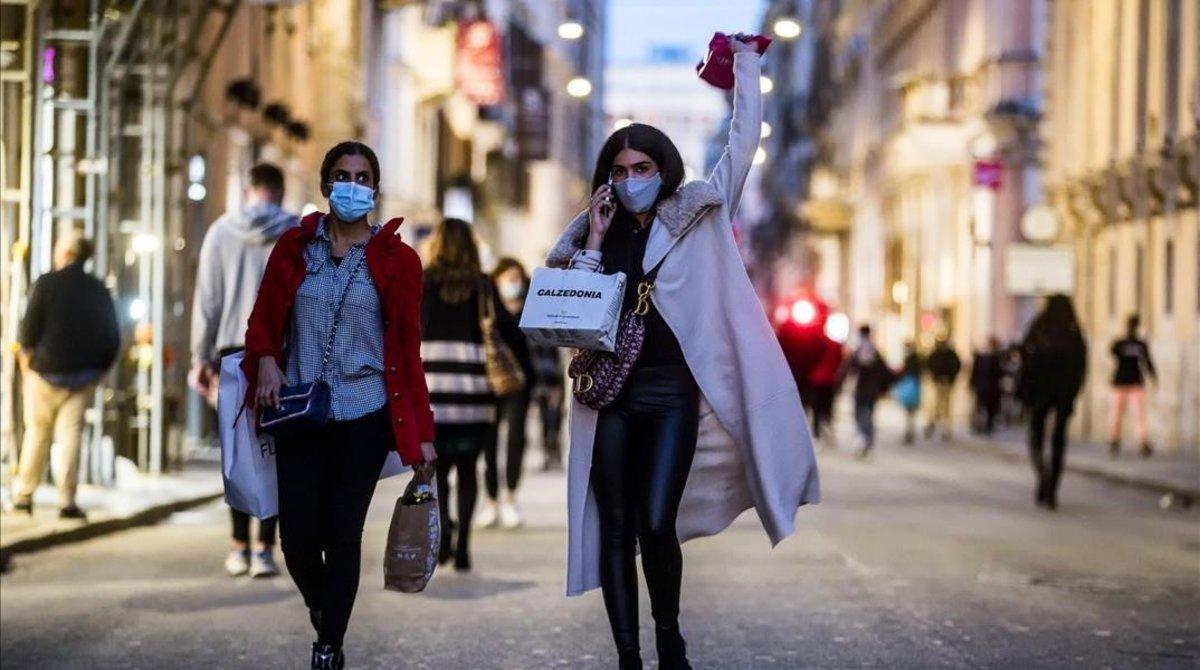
(337, 315)
(486, 309)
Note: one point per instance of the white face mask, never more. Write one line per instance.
(639, 195)
(511, 290)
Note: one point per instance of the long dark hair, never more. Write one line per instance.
(348, 148)
(453, 260)
(650, 141)
(508, 263)
(1056, 327)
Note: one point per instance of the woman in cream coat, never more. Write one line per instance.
(709, 422)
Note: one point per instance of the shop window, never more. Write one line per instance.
(1139, 278)
(1169, 277)
(1112, 281)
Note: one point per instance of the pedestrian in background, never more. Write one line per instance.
(943, 365)
(512, 282)
(985, 385)
(1011, 411)
(452, 347)
(1133, 365)
(908, 390)
(822, 387)
(345, 296)
(707, 339)
(232, 259)
(873, 378)
(550, 396)
(68, 340)
(1054, 360)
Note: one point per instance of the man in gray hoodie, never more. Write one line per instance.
(232, 260)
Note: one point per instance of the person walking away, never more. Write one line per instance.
(943, 365)
(1133, 365)
(707, 344)
(822, 387)
(1054, 357)
(345, 295)
(511, 283)
(908, 390)
(68, 340)
(985, 384)
(452, 347)
(232, 259)
(549, 394)
(873, 378)
(1011, 411)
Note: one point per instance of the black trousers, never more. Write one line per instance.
(513, 409)
(820, 402)
(550, 405)
(326, 481)
(645, 442)
(241, 528)
(1049, 473)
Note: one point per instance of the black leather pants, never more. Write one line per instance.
(645, 441)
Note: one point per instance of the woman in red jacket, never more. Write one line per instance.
(345, 297)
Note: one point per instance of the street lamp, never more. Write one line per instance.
(579, 87)
(760, 156)
(621, 123)
(765, 84)
(766, 130)
(570, 30)
(787, 28)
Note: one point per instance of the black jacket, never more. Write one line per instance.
(70, 323)
(985, 375)
(1053, 366)
(943, 364)
(873, 376)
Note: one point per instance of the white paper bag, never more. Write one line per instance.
(247, 458)
(573, 308)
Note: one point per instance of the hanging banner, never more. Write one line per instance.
(533, 123)
(479, 70)
(989, 174)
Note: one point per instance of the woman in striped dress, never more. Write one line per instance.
(464, 407)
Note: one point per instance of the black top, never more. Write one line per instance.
(943, 364)
(1053, 365)
(70, 323)
(623, 249)
(1131, 354)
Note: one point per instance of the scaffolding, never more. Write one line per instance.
(93, 116)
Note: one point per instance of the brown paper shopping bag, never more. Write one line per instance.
(413, 537)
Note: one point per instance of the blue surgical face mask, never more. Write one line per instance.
(350, 201)
(639, 195)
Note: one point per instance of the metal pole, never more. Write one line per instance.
(157, 136)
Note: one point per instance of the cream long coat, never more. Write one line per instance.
(754, 448)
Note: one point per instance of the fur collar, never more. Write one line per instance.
(678, 213)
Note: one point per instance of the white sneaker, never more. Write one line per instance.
(486, 516)
(510, 516)
(237, 563)
(262, 564)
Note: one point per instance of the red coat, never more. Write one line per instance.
(396, 270)
(824, 371)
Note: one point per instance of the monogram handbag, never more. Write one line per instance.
(598, 376)
(503, 370)
(306, 407)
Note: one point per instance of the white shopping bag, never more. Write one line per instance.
(573, 308)
(247, 458)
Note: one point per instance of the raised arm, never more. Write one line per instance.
(730, 172)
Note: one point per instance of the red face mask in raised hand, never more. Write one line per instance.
(717, 66)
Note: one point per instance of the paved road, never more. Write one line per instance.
(921, 558)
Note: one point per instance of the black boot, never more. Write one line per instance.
(462, 555)
(672, 650)
(445, 552)
(327, 657)
(629, 660)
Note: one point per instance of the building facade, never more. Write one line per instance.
(932, 152)
(1122, 168)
